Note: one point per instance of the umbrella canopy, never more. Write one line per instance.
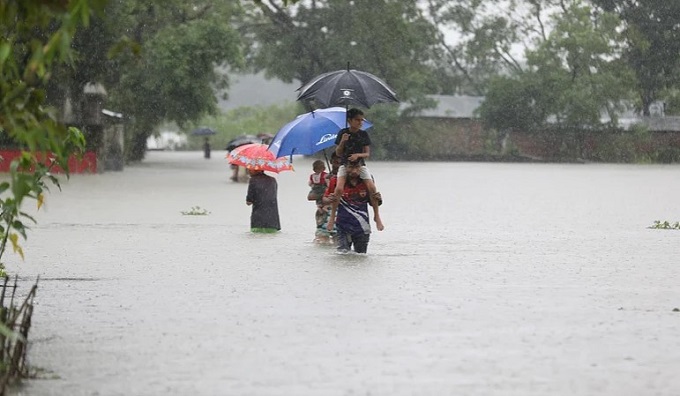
(256, 156)
(241, 140)
(345, 87)
(203, 131)
(310, 132)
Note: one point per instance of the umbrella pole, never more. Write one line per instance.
(328, 163)
(346, 111)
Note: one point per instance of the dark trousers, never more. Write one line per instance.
(346, 240)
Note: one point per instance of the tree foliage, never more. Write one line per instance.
(569, 79)
(486, 41)
(651, 30)
(389, 38)
(392, 39)
(510, 104)
(159, 61)
(36, 38)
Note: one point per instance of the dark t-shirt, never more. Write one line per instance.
(355, 144)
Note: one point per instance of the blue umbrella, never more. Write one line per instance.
(310, 132)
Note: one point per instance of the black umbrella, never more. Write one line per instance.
(345, 87)
(203, 131)
(241, 140)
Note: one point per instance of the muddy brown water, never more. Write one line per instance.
(490, 279)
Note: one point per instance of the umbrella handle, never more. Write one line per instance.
(290, 159)
(347, 107)
(328, 163)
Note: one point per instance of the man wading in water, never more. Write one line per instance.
(352, 145)
(353, 227)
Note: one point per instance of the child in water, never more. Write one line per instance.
(318, 181)
(322, 235)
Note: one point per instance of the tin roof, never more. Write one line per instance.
(463, 106)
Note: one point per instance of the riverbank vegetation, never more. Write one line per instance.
(665, 225)
(546, 67)
(36, 39)
(244, 121)
(402, 138)
(557, 71)
(195, 211)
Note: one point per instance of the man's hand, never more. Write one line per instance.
(354, 157)
(330, 198)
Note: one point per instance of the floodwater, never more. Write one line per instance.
(489, 279)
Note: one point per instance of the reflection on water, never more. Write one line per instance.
(512, 279)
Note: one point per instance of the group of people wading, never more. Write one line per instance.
(342, 211)
(342, 196)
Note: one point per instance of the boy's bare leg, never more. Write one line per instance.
(334, 205)
(370, 185)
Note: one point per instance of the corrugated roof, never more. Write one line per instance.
(463, 106)
(661, 124)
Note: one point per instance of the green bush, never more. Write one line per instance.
(244, 121)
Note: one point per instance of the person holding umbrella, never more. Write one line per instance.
(350, 87)
(206, 132)
(262, 191)
(206, 148)
(353, 145)
(262, 188)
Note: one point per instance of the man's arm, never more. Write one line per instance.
(365, 154)
(338, 149)
(329, 195)
(340, 143)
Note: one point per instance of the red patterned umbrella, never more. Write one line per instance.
(256, 156)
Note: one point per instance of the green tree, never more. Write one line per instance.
(159, 61)
(580, 64)
(510, 104)
(651, 29)
(570, 78)
(485, 43)
(389, 38)
(36, 37)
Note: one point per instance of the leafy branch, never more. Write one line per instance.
(665, 225)
(196, 211)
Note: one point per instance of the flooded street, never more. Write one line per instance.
(489, 279)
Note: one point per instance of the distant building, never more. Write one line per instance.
(464, 107)
(460, 134)
(166, 140)
(454, 131)
(112, 152)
